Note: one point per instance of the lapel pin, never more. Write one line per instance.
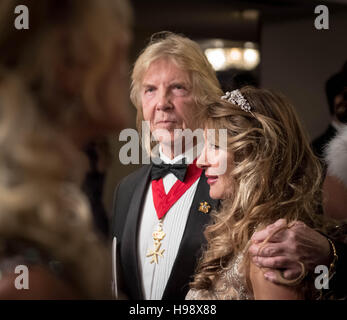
(204, 207)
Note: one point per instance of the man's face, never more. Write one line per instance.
(167, 101)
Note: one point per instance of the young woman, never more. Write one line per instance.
(271, 174)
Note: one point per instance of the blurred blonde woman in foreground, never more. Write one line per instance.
(271, 174)
(62, 82)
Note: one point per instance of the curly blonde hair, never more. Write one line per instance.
(41, 169)
(275, 175)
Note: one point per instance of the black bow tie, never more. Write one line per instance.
(162, 169)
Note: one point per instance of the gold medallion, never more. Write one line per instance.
(158, 235)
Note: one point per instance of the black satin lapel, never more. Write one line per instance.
(129, 245)
(190, 248)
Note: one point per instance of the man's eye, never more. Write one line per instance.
(179, 90)
(149, 90)
(179, 87)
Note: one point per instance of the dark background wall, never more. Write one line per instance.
(297, 59)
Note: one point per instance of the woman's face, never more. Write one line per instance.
(217, 163)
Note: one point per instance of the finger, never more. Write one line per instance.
(253, 250)
(260, 236)
(278, 262)
(280, 223)
(292, 273)
(269, 250)
(297, 224)
(272, 276)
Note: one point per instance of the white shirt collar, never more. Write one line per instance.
(190, 154)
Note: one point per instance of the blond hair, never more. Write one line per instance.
(275, 176)
(41, 169)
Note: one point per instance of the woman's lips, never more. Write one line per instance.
(211, 179)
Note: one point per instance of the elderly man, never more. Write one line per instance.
(159, 218)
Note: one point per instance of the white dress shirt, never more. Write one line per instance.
(155, 276)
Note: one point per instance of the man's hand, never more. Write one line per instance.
(287, 247)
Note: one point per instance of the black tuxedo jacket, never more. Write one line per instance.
(127, 208)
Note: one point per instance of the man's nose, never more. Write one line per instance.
(163, 102)
(202, 161)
